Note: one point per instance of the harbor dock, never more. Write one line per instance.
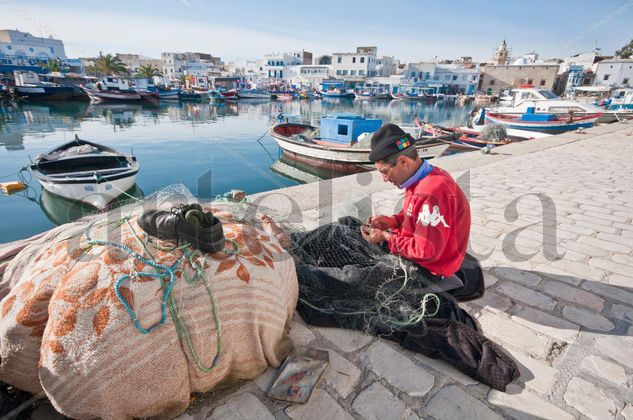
(552, 229)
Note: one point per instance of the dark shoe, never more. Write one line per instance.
(188, 222)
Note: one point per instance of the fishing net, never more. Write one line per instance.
(362, 286)
(494, 132)
(110, 322)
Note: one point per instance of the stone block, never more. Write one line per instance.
(242, 407)
(452, 403)
(523, 405)
(397, 369)
(527, 296)
(546, 324)
(346, 340)
(619, 349)
(300, 334)
(341, 374)
(320, 406)
(526, 278)
(574, 295)
(589, 400)
(377, 403)
(587, 319)
(609, 371)
(500, 326)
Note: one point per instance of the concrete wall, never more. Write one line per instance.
(497, 78)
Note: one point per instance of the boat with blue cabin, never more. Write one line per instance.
(341, 143)
(543, 122)
(29, 85)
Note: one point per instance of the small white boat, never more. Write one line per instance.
(85, 171)
(253, 94)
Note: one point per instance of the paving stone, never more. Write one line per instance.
(446, 369)
(527, 296)
(320, 406)
(613, 292)
(493, 300)
(607, 370)
(522, 404)
(535, 373)
(498, 325)
(242, 407)
(452, 403)
(627, 413)
(605, 245)
(397, 369)
(300, 334)
(622, 312)
(377, 403)
(346, 340)
(618, 239)
(546, 323)
(619, 349)
(589, 400)
(526, 278)
(587, 319)
(264, 380)
(610, 266)
(553, 273)
(341, 374)
(620, 280)
(574, 295)
(582, 248)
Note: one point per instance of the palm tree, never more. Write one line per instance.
(148, 71)
(110, 64)
(52, 66)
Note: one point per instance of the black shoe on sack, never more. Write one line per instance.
(188, 222)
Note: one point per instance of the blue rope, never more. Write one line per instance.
(163, 271)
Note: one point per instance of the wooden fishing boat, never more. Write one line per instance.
(300, 142)
(111, 95)
(546, 123)
(84, 171)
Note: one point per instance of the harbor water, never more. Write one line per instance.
(207, 147)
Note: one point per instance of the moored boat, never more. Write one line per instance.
(191, 95)
(301, 142)
(111, 95)
(29, 86)
(546, 123)
(229, 94)
(253, 94)
(84, 171)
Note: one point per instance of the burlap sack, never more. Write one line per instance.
(65, 330)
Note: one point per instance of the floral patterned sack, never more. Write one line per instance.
(111, 323)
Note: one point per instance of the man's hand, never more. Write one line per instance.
(382, 222)
(374, 236)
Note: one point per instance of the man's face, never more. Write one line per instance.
(396, 174)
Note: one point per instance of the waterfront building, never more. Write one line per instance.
(615, 72)
(386, 66)
(311, 76)
(496, 78)
(134, 61)
(360, 64)
(195, 64)
(452, 77)
(276, 64)
(25, 52)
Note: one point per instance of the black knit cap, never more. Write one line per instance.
(389, 140)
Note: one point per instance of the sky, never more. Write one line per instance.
(409, 30)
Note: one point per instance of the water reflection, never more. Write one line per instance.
(301, 173)
(60, 210)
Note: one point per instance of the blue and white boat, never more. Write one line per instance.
(336, 93)
(542, 122)
(168, 94)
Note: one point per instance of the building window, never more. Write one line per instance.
(492, 83)
(338, 60)
(542, 82)
(625, 81)
(454, 77)
(362, 59)
(529, 81)
(338, 72)
(344, 72)
(353, 59)
(606, 77)
(352, 72)
(362, 73)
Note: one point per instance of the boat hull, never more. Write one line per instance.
(98, 195)
(111, 95)
(555, 127)
(45, 93)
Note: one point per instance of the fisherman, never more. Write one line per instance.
(433, 226)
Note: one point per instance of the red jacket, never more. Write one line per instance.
(434, 224)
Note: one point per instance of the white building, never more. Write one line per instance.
(419, 72)
(311, 76)
(190, 64)
(134, 61)
(457, 78)
(362, 63)
(616, 72)
(25, 45)
(276, 64)
(386, 66)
